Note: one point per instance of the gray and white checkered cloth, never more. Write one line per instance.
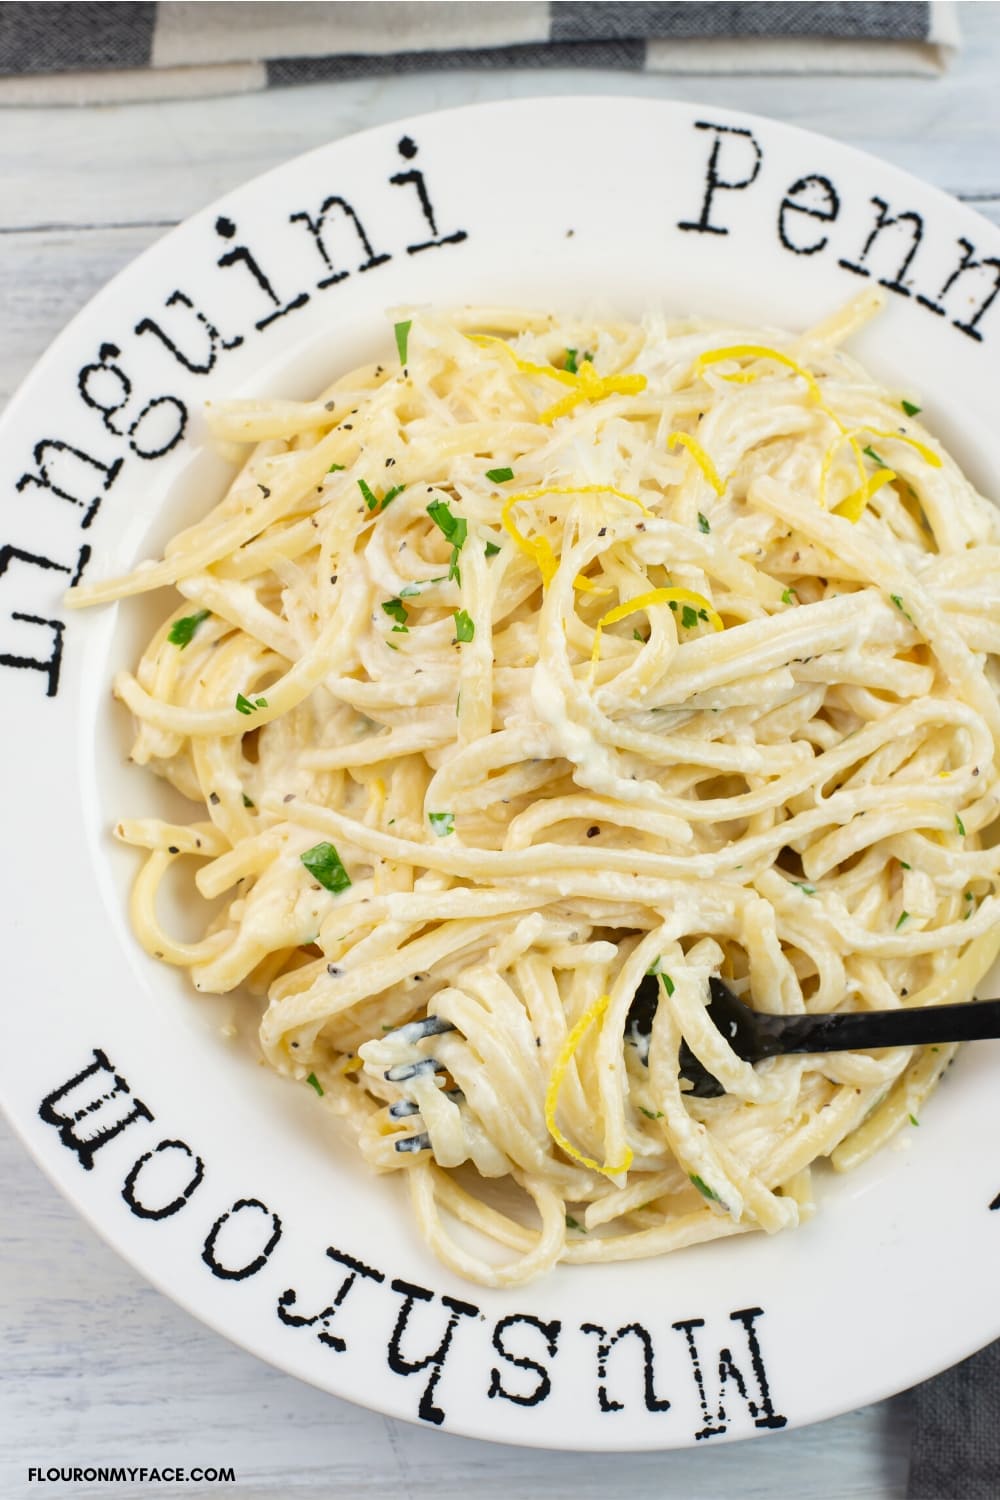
(99, 53)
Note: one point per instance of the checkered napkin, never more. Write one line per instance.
(86, 53)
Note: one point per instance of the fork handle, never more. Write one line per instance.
(855, 1030)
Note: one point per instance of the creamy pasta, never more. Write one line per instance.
(545, 654)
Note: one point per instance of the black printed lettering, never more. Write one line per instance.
(408, 148)
(550, 1334)
(604, 1348)
(324, 1317)
(240, 255)
(887, 221)
(105, 387)
(760, 1407)
(211, 337)
(91, 1108)
(191, 1167)
(740, 160)
(68, 473)
(161, 422)
(237, 1216)
(968, 263)
(52, 643)
(434, 1361)
(814, 197)
(317, 229)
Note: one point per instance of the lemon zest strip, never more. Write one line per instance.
(350, 1065)
(587, 586)
(566, 1051)
(538, 549)
(927, 454)
(852, 507)
(646, 601)
(487, 340)
(592, 387)
(701, 458)
(755, 351)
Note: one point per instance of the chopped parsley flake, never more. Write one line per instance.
(704, 1188)
(914, 1120)
(372, 500)
(787, 596)
(903, 917)
(703, 523)
(442, 823)
(571, 1223)
(324, 864)
(960, 825)
(181, 631)
(245, 706)
(668, 984)
(492, 549)
(314, 1083)
(499, 476)
(909, 408)
(402, 331)
(897, 600)
(396, 609)
(247, 802)
(650, 1114)
(440, 513)
(904, 865)
(637, 635)
(870, 453)
(455, 529)
(335, 469)
(689, 617)
(807, 890)
(465, 628)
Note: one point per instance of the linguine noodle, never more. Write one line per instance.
(550, 654)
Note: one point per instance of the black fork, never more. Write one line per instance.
(755, 1035)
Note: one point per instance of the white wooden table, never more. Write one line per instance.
(98, 1368)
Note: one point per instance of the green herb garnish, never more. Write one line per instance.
(571, 1223)
(499, 476)
(703, 523)
(903, 917)
(325, 865)
(372, 500)
(245, 706)
(960, 825)
(402, 331)
(465, 628)
(455, 529)
(668, 984)
(335, 469)
(650, 1115)
(904, 866)
(181, 631)
(913, 1120)
(910, 409)
(689, 617)
(396, 609)
(492, 549)
(870, 453)
(788, 596)
(247, 802)
(571, 361)
(704, 1188)
(314, 1082)
(807, 890)
(442, 823)
(897, 600)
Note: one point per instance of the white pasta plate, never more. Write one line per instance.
(230, 1187)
